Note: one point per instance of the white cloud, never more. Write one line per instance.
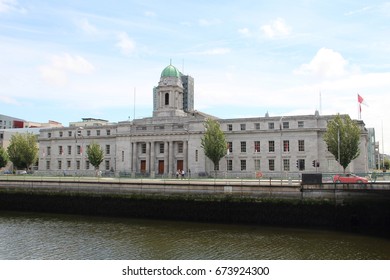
(215, 51)
(208, 22)
(150, 14)
(245, 32)
(277, 28)
(87, 27)
(327, 63)
(125, 43)
(10, 5)
(59, 68)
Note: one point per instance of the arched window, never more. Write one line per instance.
(167, 99)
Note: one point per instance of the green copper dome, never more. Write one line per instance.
(170, 71)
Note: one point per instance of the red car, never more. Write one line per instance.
(349, 178)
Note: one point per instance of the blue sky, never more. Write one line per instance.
(65, 60)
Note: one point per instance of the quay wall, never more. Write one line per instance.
(290, 206)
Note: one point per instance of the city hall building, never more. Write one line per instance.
(170, 140)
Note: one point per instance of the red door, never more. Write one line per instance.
(160, 167)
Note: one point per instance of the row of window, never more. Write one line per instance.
(271, 146)
(79, 150)
(271, 165)
(78, 165)
(79, 133)
(180, 146)
(270, 125)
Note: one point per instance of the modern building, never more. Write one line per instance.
(170, 140)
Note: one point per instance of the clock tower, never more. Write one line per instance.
(169, 94)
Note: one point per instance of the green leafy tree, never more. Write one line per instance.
(95, 155)
(23, 150)
(343, 138)
(3, 157)
(213, 141)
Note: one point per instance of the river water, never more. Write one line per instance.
(47, 236)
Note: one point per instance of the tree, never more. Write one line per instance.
(343, 138)
(23, 150)
(95, 155)
(3, 157)
(213, 142)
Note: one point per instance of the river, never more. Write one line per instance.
(25, 236)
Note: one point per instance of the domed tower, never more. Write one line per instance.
(168, 95)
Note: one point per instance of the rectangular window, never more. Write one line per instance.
(107, 165)
(78, 165)
(49, 135)
(243, 147)
(69, 150)
(257, 146)
(98, 132)
(286, 164)
(229, 127)
(180, 147)
(161, 148)
(68, 164)
(243, 165)
(243, 126)
(196, 155)
(70, 133)
(108, 132)
(286, 125)
(61, 134)
(217, 167)
(49, 151)
(59, 164)
(301, 124)
(257, 164)
(78, 149)
(229, 165)
(271, 164)
(286, 146)
(88, 133)
(108, 149)
(257, 126)
(301, 164)
(271, 125)
(87, 164)
(123, 156)
(48, 164)
(301, 145)
(271, 146)
(143, 148)
(230, 147)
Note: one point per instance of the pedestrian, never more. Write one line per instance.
(182, 174)
(177, 174)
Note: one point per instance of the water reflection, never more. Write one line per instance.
(44, 236)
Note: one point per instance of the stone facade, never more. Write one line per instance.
(171, 140)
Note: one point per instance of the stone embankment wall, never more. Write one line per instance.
(369, 216)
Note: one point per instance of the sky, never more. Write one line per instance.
(67, 60)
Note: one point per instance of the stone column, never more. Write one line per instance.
(170, 159)
(134, 144)
(185, 152)
(152, 160)
(166, 152)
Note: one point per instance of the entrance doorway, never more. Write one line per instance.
(180, 164)
(160, 167)
(143, 166)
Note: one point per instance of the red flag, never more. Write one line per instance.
(360, 99)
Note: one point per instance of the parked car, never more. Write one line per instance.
(7, 172)
(349, 178)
